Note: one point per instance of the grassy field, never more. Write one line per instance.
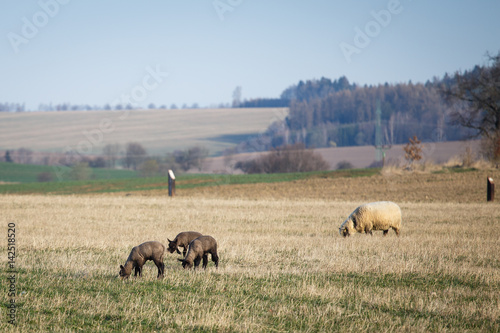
(120, 181)
(28, 173)
(159, 131)
(446, 185)
(283, 266)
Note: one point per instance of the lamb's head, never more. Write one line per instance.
(124, 272)
(172, 246)
(185, 263)
(347, 228)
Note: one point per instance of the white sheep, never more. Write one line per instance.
(381, 215)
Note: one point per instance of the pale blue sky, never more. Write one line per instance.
(95, 52)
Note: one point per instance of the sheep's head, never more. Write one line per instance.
(344, 232)
(124, 274)
(172, 247)
(185, 263)
(347, 228)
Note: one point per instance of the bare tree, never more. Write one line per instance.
(192, 157)
(23, 156)
(134, 155)
(476, 97)
(413, 151)
(197, 156)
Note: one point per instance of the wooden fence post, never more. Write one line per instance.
(171, 183)
(490, 190)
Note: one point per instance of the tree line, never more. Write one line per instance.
(133, 157)
(331, 113)
(12, 107)
(349, 117)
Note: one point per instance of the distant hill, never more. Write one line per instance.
(159, 131)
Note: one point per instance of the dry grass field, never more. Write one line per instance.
(159, 131)
(283, 266)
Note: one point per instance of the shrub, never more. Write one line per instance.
(149, 168)
(376, 164)
(343, 165)
(192, 157)
(289, 158)
(98, 162)
(45, 177)
(413, 151)
(81, 171)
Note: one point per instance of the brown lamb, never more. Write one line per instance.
(199, 249)
(182, 240)
(140, 254)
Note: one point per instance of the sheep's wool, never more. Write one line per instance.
(380, 215)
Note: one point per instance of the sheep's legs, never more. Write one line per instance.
(197, 262)
(161, 269)
(205, 261)
(215, 259)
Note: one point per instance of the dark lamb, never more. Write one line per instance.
(139, 255)
(182, 240)
(199, 249)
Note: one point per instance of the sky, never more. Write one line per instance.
(184, 52)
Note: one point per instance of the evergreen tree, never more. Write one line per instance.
(7, 157)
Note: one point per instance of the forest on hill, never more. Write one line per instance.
(331, 113)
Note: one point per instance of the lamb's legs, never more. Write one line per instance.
(197, 262)
(161, 268)
(215, 259)
(205, 261)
